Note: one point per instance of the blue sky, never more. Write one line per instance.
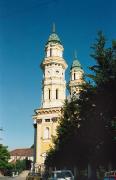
(25, 26)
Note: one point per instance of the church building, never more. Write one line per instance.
(53, 95)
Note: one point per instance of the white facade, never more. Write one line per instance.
(21, 154)
(54, 84)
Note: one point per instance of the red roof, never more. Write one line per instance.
(22, 152)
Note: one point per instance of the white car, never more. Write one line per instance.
(61, 175)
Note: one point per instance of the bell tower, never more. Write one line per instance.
(53, 66)
(53, 96)
(76, 77)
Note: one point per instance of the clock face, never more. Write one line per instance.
(54, 72)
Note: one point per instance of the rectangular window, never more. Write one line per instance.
(50, 52)
(47, 120)
(56, 93)
(74, 76)
(49, 93)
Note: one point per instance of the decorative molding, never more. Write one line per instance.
(47, 111)
(53, 60)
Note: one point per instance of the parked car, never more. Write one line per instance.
(110, 175)
(33, 176)
(110, 178)
(61, 175)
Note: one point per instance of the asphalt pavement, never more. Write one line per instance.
(22, 176)
(11, 178)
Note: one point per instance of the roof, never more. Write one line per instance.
(54, 37)
(22, 152)
(76, 64)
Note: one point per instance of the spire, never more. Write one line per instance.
(53, 28)
(75, 54)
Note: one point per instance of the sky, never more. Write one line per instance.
(25, 26)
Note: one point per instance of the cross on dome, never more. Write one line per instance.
(75, 54)
(53, 28)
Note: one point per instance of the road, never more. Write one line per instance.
(22, 176)
(14, 178)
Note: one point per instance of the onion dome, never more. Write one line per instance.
(53, 37)
(76, 64)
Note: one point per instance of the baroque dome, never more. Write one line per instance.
(76, 64)
(54, 38)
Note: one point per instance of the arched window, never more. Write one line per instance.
(46, 133)
(74, 76)
(50, 52)
(49, 93)
(56, 93)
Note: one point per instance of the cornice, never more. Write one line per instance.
(53, 60)
(46, 111)
(76, 82)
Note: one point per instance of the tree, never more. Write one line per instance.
(86, 131)
(105, 67)
(100, 110)
(95, 131)
(4, 157)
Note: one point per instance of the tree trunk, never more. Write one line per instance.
(109, 166)
(76, 172)
(92, 172)
(89, 171)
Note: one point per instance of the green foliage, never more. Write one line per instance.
(21, 165)
(105, 68)
(32, 146)
(4, 157)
